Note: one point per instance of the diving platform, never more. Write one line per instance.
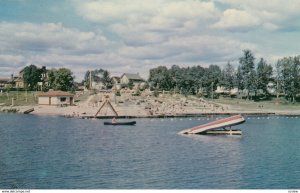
(216, 127)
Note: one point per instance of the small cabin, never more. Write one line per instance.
(58, 98)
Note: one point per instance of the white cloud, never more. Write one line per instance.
(236, 19)
(49, 37)
(270, 15)
(135, 35)
(107, 11)
(48, 43)
(156, 15)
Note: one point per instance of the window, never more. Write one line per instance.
(63, 99)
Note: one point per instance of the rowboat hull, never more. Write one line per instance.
(121, 123)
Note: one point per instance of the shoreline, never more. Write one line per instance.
(164, 106)
(181, 115)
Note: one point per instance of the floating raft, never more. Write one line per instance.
(222, 132)
(215, 126)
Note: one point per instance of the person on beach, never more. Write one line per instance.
(114, 120)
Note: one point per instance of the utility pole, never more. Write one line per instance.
(212, 91)
(90, 79)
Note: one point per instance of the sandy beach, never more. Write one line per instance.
(146, 105)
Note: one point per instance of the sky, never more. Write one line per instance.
(133, 36)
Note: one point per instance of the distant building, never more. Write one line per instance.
(134, 78)
(55, 98)
(115, 79)
(5, 83)
(271, 88)
(44, 78)
(116, 83)
(19, 81)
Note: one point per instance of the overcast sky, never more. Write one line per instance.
(136, 35)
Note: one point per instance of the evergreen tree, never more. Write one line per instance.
(264, 75)
(247, 71)
(228, 74)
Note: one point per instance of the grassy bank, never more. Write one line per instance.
(274, 104)
(19, 98)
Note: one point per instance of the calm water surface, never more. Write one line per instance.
(54, 152)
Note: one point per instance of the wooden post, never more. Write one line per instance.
(26, 96)
(90, 79)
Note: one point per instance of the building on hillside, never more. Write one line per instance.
(58, 98)
(97, 83)
(5, 83)
(134, 78)
(115, 79)
(19, 81)
(44, 78)
(116, 83)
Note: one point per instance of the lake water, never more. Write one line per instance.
(39, 152)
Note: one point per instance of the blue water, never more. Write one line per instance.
(54, 152)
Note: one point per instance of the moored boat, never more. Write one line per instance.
(121, 123)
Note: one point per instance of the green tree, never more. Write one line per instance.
(61, 79)
(290, 76)
(211, 79)
(228, 74)
(106, 80)
(160, 78)
(31, 76)
(247, 71)
(238, 79)
(263, 75)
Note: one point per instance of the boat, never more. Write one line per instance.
(216, 126)
(28, 111)
(121, 123)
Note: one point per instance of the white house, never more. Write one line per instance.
(134, 78)
(55, 98)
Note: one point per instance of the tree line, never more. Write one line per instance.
(42, 79)
(250, 78)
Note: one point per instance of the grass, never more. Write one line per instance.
(83, 96)
(19, 97)
(23, 98)
(280, 104)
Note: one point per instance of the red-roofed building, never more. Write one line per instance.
(55, 98)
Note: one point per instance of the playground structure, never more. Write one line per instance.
(106, 103)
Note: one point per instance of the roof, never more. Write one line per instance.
(54, 94)
(5, 79)
(132, 76)
(116, 77)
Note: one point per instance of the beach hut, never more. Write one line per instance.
(59, 98)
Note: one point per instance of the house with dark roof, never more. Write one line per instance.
(58, 98)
